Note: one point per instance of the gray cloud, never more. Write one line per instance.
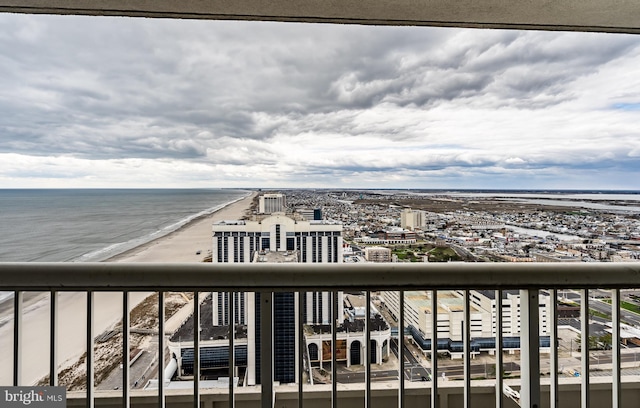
(242, 100)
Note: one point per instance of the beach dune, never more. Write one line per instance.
(182, 245)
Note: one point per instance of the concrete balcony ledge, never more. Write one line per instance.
(384, 394)
(576, 15)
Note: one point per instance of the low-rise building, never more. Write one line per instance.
(451, 317)
(377, 254)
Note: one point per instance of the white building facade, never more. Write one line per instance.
(411, 219)
(377, 254)
(238, 241)
(271, 203)
(243, 241)
(276, 237)
(451, 313)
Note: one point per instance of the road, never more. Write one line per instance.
(413, 369)
(464, 252)
(596, 358)
(415, 372)
(358, 377)
(140, 371)
(627, 317)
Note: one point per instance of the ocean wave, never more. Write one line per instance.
(121, 247)
(5, 295)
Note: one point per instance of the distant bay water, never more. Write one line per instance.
(84, 225)
(617, 201)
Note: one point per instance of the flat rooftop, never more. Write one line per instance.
(230, 222)
(448, 301)
(377, 324)
(491, 294)
(207, 330)
(277, 257)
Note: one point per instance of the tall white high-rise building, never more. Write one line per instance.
(276, 238)
(271, 203)
(411, 219)
(239, 241)
(242, 241)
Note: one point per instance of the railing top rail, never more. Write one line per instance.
(286, 277)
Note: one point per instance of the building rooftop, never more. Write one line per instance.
(355, 300)
(377, 324)
(230, 222)
(277, 256)
(207, 330)
(491, 294)
(448, 301)
(324, 222)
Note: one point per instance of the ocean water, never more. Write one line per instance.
(84, 225)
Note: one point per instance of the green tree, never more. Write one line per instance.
(593, 342)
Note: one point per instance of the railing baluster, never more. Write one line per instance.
(334, 349)
(367, 329)
(301, 347)
(17, 337)
(616, 388)
(196, 349)
(553, 321)
(266, 348)
(499, 362)
(529, 348)
(232, 350)
(466, 339)
(401, 350)
(126, 357)
(89, 359)
(434, 348)
(53, 345)
(161, 402)
(584, 344)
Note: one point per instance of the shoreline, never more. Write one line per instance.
(237, 208)
(180, 245)
(7, 303)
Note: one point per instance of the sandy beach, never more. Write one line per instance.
(179, 246)
(183, 244)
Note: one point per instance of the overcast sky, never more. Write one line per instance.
(121, 102)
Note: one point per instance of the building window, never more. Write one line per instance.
(235, 249)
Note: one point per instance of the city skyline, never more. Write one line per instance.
(123, 102)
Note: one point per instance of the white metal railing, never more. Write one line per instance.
(269, 278)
